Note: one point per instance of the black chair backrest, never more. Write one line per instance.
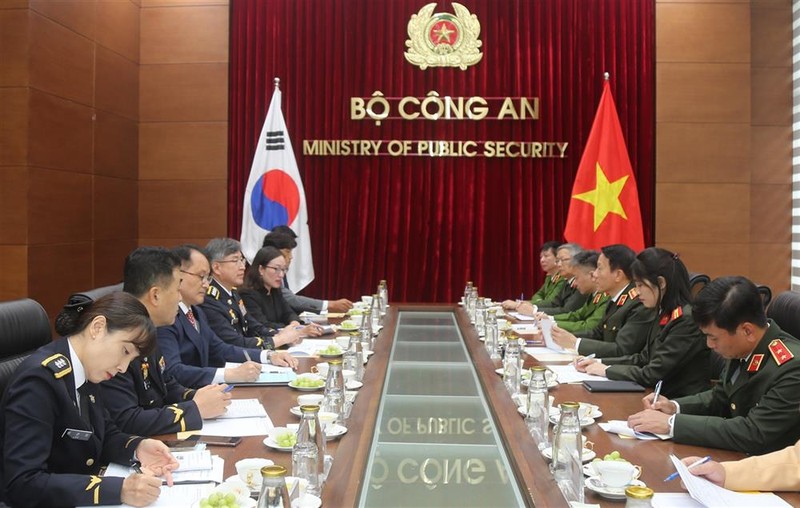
(697, 281)
(24, 327)
(766, 294)
(785, 310)
(93, 294)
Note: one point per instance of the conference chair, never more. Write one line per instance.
(766, 294)
(78, 300)
(24, 328)
(785, 310)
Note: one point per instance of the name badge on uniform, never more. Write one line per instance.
(77, 434)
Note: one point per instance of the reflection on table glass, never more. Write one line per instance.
(436, 442)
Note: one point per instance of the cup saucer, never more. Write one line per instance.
(595, 484)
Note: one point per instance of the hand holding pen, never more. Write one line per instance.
(692, 462)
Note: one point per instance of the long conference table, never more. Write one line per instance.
(449, 434)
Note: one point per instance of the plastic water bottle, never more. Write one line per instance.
(376, 312)
(492, 331)
(467, 293)
(333, 399)
(538, 415)
(567, 449)
(512, 368)
(383, 293)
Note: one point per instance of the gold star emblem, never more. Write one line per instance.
(444, 33)
(604, 197)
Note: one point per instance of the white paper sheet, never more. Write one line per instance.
(568, 374)
(708, 494)
(621, 427)
(233, 427)
(179, 496)
(526, 329)
(674, 500)
(213, 473)
(310, 347)
(244, 408)
(521, 317)
(544, 354)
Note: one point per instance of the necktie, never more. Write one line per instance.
(190, 317)
(83, 391)
(737, 371)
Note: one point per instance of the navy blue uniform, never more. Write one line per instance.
(193, 357)
(146, 400)
(230, 321)
(41, 464)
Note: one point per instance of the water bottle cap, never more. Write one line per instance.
(309, 408)
(570, 405)
(336, 361)
(639, 493)
(273, 471)
(539, 368)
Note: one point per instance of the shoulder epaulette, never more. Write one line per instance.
(59, 364)
(780, 353)
(633, 293)
(572, 283)
(213, 292)
(597, 298)
(556, 277)
(755, 363)
(621, 300)
(672, 316)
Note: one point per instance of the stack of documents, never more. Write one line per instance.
(270, 375)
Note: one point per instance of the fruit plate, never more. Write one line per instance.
(272, 443)
(595, 484)
(294, 383)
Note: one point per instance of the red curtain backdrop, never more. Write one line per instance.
(428, 224)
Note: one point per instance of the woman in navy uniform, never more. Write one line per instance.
(54, 430)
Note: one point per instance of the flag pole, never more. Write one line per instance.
(606, 75)
(277, 82)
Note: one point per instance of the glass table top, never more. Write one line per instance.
(436, 442)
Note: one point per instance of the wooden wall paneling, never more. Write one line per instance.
(114, 208)
(80, 17)
(14, 126)
(183, 150)
(117, 84)
(60, 133)
(174, 242)
(118, 27)
(181, 3)
(14, 47)
(702, 213)
(698, 92)
(772, 33)
(184, 92)
(57, 271)
(770, 264)
(61, 61)
(708, 32)
(14, 275)
(116, 146)
(770, 213)
(772, 96)
(703, 152)
(13, 206)
(714, 259)
(194, 34)
(182, 208)
(771, 154)
(109, 260)
(59, 207)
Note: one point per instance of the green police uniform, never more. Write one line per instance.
(623, 330)
(567, 300)
(585, 319)
(754, 411)
(551, 287)
(675, 353)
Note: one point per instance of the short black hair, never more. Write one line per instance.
(586, 259)
(727, 302)
(284, 230)
(184, 252)
(279, 241)
(252, 277)
(551, 246)
(655, 262)
(146, 267)
(620, 257)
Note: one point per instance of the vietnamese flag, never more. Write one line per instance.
(604, 208)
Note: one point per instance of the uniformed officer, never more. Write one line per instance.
(675, 351)
(223, 306)
(753, 409)
(553, 281)
(145, 399)
(626, 322)
(569, 298)
(54, 430)
(587, 317)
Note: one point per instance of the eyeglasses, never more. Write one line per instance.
(203, 278)
(239, 260)
(278, 269)
(563, 260)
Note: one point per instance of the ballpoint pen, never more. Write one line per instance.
(228, 388)
(657, 391)
(588, 357)
(690, 466)
(246, 355)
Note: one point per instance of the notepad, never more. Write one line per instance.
(244, 408)
(270, 375)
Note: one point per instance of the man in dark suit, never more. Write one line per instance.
(223, 306)
(194, 354)
(145, 399)
(754, 407)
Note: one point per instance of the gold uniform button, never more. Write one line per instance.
(733, 406)
(90, 462)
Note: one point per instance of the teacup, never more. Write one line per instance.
(348, 375)
(356, 318)
(367, 299)
(326, 418)
(343, 342)
(249, 471)
(617, 473)
(309, 399)
(301, 483)
(321, 368)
